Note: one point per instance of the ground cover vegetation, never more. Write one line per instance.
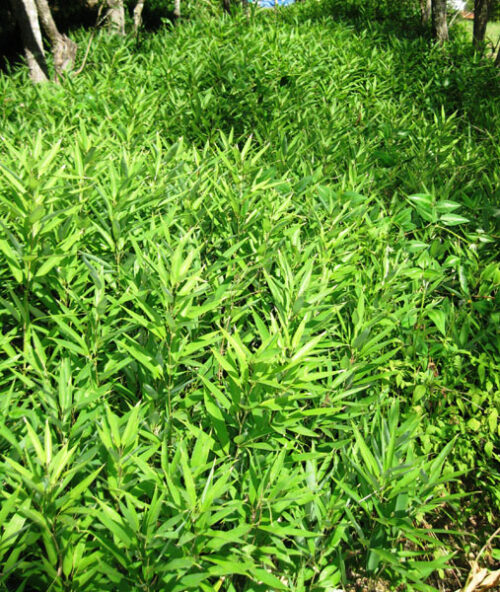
(249, 309)
(492, 32)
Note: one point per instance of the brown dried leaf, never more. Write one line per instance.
(481, 579)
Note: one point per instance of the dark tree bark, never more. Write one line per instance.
(482, 9)
(63, 48)
(439, 22)
(27, 17)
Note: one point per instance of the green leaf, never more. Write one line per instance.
(493, 421)
(438, 317)
(268, 579)
(47, 265)
(74, 494)
(422, 199)
(366, 453)
(453, 219)
(131, 430)
(188, 480)
(217, 393)
(37, 445)
(446, 205)
(474, 424)
(218, 423)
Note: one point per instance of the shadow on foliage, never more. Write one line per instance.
(460, 80)
(155, 14)
(67, 15)
(70, 16)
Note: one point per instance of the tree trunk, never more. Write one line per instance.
(425, 11)
(27, 17)
(439, 23)
(481, 15)
(138, 15)
(116, 16)
(226, 5)
(63, 48)
(177, 9)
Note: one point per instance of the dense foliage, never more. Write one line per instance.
(249, 309)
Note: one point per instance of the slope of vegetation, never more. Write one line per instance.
(492, 32)
(249, 311)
